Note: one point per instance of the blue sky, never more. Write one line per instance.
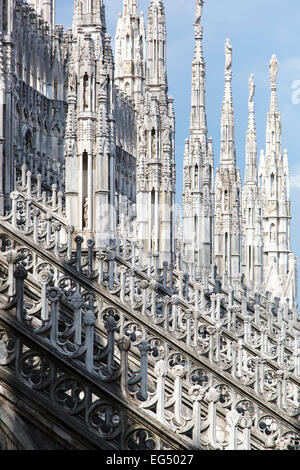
(257, 29)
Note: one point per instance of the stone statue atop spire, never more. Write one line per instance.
(273, 68)
(199, 11)
(228, 55)
(251, 88)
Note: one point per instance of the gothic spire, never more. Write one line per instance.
(130, 7)
(273, 137)
(130, 51)
(156, 46)
(227, 156)
(251, 140)
(198, 123)
(89, 12)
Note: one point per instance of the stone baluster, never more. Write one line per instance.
(171, 277)
(280, 351)
(285, 311)
(28, 214)
(161, 371)
(60, 202)
(262, 368)
(14, 197)
(280, 378)
(124, 345)
(175, 305)
(211, 331)
(90, 245)
(264, 340)
(54, 295)
(213, 306)
(247, 329)
(132, 286)
(256, 314)
(78, 240)
(54, 195)
(234, 359)
(180, 284)
(111, 327)
(239, 372)
(20, 275)
(270, 316)
(122, 271)
(203, 298)
(196, 318)
(45, 278)
(188, 315)
(230, 297)
(197, 396)
(48, 228)
(44, 198)
(36, 216)
(244, 307)
(256, 374)
(102, 259)
(197, 300)
(12, 257)
(153, 288)
(141, 376)
(178, 372)
(89, 323)
(70, 231)
(77, 302)
(233, 419)
(186, 286)
(212, 398)
(133, 258)
(246, 423)
(111, 274)
(166, 305)
(57, 230)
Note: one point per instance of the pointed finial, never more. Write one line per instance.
(228, 55)
(199, 11)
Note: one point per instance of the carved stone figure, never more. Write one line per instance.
(228, 55)
(251, 88)
(273, 68)
(199, 11)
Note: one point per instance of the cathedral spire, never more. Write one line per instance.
(274, 133)
(131, 7)
(130, 51)
(156, 46)
(251, 139)
(198, 125)
(227, 156)
(88, 13)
